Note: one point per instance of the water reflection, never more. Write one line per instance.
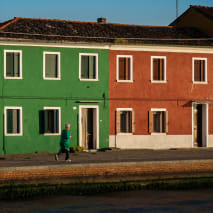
(118, 202)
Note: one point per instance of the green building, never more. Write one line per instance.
(48, 82)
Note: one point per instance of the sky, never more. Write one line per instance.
(141, 12)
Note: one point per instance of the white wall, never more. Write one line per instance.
(210, 141)
(151, 141)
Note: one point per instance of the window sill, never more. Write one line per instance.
(14, 134)
(200, 82)
(88, 79)
(51, 134)
(123, 133)
(160, 82)
(20, 78)
(158, 134)
(54, 79)
(125, 81)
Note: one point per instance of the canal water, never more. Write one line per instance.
(143, 201)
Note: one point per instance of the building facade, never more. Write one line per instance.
(161, 97)
(44, 86)
(123, 86)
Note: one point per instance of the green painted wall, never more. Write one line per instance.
(33, 93)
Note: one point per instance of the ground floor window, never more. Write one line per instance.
(158, 121)
(125, 121)
(52, 120)
(13, 120)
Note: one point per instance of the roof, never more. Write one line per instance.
(206, 11)
(74, 31)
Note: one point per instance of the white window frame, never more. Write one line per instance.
(165, 71)
(158, 110)
(121, 110)
(131, 68)
(5, 63)
(20, 122)
(206, 77)
(58, 68)
(88, 54)
(59, 120)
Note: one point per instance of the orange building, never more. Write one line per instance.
(161, 97)
(161, 87)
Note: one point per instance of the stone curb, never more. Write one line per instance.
(103, 165)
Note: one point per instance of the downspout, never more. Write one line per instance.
(4, 150)
(3, 133)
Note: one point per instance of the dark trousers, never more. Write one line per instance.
(64, 151)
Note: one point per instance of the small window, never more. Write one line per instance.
(125, 121)
(88, 67)
(158, 121)
(51, 120)
(124, 68)
(199, 70)
(13, 64)
(158, 68)
(51, 66)
(13, 121)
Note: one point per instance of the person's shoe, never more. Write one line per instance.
(56, 157)
(68, 160)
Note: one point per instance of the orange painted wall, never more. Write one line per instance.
(175, 95)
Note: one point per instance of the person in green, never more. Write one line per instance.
(65, 143)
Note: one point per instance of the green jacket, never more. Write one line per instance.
(65, 139)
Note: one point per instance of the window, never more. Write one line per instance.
(124, 68)
(13, 121)
(125, 120)
(51, 66)
(158, 121)
(199, 70)
(13, 64)
(88, 67)
(158, 69)
(52, 120)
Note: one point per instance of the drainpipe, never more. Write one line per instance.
(4, 150)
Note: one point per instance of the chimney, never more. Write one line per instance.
(101, 20)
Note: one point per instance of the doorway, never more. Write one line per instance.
(89, 127)
(200, 125)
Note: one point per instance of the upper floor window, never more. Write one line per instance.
(158, 121)
(158, 69)
(13, 121)
(199, 70)
(125, 120)
(88, 67)
(51, 66)
(124, 68)
(13, 64)
(52, 120)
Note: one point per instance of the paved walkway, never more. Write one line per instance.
(125, 165)
(119, 156)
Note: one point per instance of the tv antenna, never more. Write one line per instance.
(176, 8)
